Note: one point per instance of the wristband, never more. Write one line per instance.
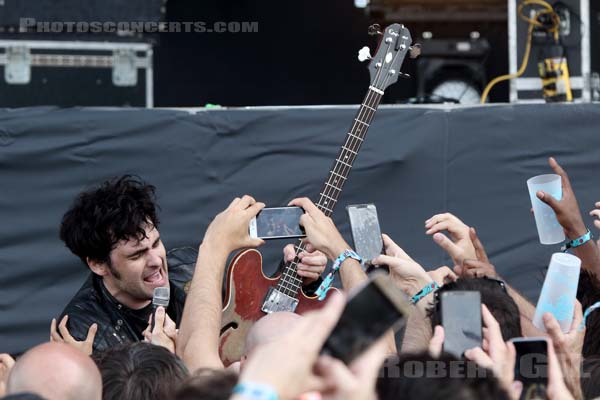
(429, 288)
(326, 284)
(571, 244)
(586, 314)
(255, 391)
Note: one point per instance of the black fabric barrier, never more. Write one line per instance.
(415, 162)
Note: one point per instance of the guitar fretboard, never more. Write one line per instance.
(290, 283)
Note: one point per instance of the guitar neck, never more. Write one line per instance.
(290, 282)
(343, 163)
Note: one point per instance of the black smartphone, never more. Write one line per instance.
(371, 311)
(277, 223)
(460, 313)
(531, 367)
(366, 233)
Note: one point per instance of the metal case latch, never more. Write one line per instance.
(124, 68)
(18, 65)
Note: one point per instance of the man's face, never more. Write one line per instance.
(137, 268)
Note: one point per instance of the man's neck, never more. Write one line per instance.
(123, 297)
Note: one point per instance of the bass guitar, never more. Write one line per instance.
(250, 294)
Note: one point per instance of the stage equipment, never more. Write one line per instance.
(551, 41)
(66, 73)
(451, 70)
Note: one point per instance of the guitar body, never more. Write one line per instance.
(247, 286)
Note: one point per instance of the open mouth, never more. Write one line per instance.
(156, 278)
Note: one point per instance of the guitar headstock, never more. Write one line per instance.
(385, 65)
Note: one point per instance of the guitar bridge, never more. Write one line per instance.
(276, 301)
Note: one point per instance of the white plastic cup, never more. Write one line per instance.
(559, 291)
(549, 230)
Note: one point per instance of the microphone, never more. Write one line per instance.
(160, 298)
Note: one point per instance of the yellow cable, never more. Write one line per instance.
(533, 22)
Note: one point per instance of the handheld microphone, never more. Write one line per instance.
(160, 298)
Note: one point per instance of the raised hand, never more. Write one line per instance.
(567, 209)
(567, 347)
(479, 267)
(320, 230)
(498, 356)
(312, 261)
(164, 333)
(406, 273)
(459, 245)
(85, 346)
(6, 364)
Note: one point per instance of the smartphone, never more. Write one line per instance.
(366, 233)
(277, 223)
(460, 313)
(531, 367)
(371, 311)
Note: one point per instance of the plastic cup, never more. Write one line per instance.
(559, 291)
(549, 230)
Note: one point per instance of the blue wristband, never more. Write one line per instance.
(255, 391)
(429, 288)
(326, 284)
(583, 239)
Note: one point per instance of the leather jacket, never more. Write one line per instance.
(94, 304)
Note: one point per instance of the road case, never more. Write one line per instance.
(75, 73)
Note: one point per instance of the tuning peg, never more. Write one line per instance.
(415, 50)
(403, 75)
(364, 54)
(375, 29)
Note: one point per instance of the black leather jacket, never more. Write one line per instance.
(94, 304)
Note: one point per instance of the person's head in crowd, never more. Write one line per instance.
(494, 296)
(208, 384)
(268, 328)
(421, 376)
(588, 294)
(140, 371)
(56, 371)
(113, 229)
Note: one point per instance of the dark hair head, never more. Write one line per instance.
(208, 384)
(590, 378)
(98, 219)
(588, 293)
(496, 299)
(420, 376)
(140, 371)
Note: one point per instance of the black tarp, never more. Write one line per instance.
(415, 162)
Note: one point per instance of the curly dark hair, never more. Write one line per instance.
(99, 218)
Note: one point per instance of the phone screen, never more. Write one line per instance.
(279, 222)
(461, 319)
(367, 316)
(366, 232)
(531, 367)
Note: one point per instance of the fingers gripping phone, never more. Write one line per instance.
(370, 312)
(277, 223)
(460, 313)
(531, 367)
(366, 232)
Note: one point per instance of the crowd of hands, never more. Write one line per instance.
(291, 364)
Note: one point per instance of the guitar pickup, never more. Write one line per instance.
(276, 301)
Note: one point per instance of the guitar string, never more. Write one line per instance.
(351, 142)
(331, 192)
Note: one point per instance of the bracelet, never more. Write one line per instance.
(571, 244)
(326, 284)
(429, 288)
(255, 391)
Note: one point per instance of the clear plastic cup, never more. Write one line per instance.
(559, 291)
(549, 230)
